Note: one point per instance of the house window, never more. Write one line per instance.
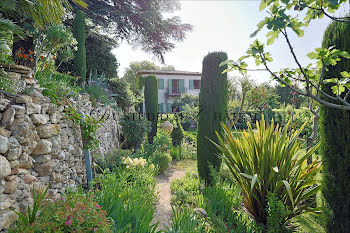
(175, 83)
(160, 83)
(196, 84)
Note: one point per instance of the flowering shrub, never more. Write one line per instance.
(134, 163)
(72, 213)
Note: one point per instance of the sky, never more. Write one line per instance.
(226, 26)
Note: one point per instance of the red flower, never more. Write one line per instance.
(68, 223)
(98, 206)
(54, 57)
(30, 51)
(78, 77)
(45, 65)
(42, 57)
(95, 229)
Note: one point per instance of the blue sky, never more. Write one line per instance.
(226, 26)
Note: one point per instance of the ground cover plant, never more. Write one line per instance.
(128, 195)
(73, 212)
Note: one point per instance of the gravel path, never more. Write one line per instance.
(163, 211)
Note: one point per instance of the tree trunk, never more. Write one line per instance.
(310, 141)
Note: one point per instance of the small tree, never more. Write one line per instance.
(80, 54)
(178, 133)
(151, 104)
(213, 110)
(335, 137)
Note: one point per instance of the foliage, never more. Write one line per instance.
(213, 107)
(88, 125)
(96, 86)
(186, 99)
(277, 213)
(177, 134)
(189, 116)
(134, 128)
(57, 86)
(75, 212)
(269, 160)
(25, 220)
(140, 22)
(186, 150)
(51, 40)
(129, 197)
(112, 160)
(335, 137)
(262, 98)
(137, 66)
(98, 54)
(223, 206)
(80, 35)
(123, 94)
(278, 22)
(184, 220)
(162, 160)
(151, 104)
(6, 83)
(187, 191)
(285, 96)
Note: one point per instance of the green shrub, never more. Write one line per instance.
(112, 160)
(184, 220)
(185, 151)
(189, 116)
(335, 137)
(129, 197)
(73, 213)
(269, 160)
(162, 142)
(277, 213)
(161, 160)
(151, 104)
(213, 107)
(178, 133)
(187, 190)
(80, 35)
(223, 206)
(134, 130)
(57, 86)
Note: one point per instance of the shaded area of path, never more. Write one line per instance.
(163, 211)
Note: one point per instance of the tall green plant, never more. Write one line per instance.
(335, 137)
(212, 107)
(178, 133)
(269, 160)
(80, 54)
(151, 104)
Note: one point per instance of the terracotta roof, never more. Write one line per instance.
(171, 72)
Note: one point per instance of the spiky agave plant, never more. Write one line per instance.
(269, 160)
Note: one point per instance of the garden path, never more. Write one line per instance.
(163, 211)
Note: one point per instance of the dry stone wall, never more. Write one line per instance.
(40, 145)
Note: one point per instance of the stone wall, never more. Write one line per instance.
(39, 145)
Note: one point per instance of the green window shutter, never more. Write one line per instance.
(191, 84)
(161, 107)
(182, 86)
(161, 83)
(169, 108)
(170, 86)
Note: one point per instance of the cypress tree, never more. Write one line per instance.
(335, 139)
(151, 104)
(213, 110)
(80, 36)
(178, 133)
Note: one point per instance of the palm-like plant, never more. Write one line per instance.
(269, 160)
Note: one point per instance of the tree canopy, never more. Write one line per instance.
(140, 22)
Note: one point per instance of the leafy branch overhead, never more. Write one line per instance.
(140, 22)
(279, 22)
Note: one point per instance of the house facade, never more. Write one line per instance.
(171, 85)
